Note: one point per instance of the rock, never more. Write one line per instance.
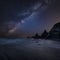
(44, 34)
(55, 32)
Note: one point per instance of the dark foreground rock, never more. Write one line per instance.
(54, 32)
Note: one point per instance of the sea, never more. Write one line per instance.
(29, 49)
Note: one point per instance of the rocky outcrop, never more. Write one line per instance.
(44, 34)
(36, 36)
(54, 32)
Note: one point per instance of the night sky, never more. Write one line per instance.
(26, 17)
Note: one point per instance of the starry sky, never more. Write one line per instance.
(26, 17)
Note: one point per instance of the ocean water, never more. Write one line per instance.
(29, 49)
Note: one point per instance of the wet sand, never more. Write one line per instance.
(29, 50)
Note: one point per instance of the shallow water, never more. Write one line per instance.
(29, 49)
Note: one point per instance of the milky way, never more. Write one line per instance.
(26, 17)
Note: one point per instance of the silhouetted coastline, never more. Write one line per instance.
(53, 34)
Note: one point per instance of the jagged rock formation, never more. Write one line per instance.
(55, 32)
(44, 34)
(36, 36)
